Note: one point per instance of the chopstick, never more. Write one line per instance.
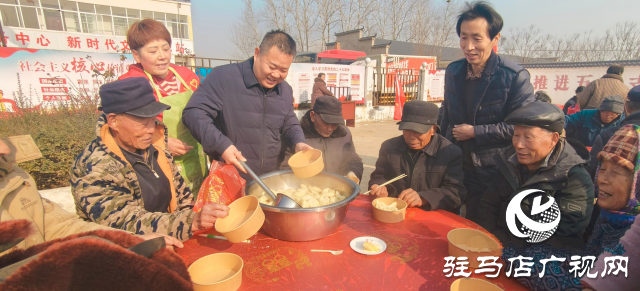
(220, 237)
(388, 182)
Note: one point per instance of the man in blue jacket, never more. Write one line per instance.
(241, 111)
(480, 91)
(587, 124)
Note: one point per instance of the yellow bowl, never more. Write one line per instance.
(306, 164)
(244, 220)
(471, 243)
(217, 272)
(390, 216)
(473, 284)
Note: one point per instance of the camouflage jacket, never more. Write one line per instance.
(106, 189)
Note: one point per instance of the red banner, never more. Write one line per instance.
(400, 99)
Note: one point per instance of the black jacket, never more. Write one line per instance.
(503, 88)
(605, 136)
(437, 174)
(338, 151)
(564, 178)
(231, 108)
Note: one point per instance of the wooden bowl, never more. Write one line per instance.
(306, 164)
(244, 220)
(390, 216)
(217, 272)
(471, 243)
(473, 284)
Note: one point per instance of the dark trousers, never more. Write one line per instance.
(477, 182)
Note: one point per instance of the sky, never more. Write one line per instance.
(213, 19)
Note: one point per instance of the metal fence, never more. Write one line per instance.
(384, 85)
(202, 66)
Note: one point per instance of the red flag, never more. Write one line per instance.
(400, 99)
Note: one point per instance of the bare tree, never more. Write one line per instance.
(245, 34)
(328, 11)
(304, 16)
(356, 14)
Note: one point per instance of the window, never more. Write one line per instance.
(146, 14)
(9, 15)
(84, 7)
(184, 31)
(29, 17)
(89, 23)
(49, 4)
(133, 13)
(68, 5)
(71, 21)
(131, 21)
(106, 25)
(8, 2)
(52, 19)
(28, 3)
(101, 9)
(183, 19)
(120, 26)
(119, 11)
(172, 17)
(158, 16)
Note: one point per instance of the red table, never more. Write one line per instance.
(414, 259)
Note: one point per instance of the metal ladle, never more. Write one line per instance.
(280, 200)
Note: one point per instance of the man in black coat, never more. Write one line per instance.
(241, 111)
(539, 159)
(572, 101)
(480, 91)
(433, 165)
(324, 129)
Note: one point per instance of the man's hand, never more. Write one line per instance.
(463, 132)
(177, 147)
(231, 156)
(353, 177)
(378, 191)
(208, 216)
(169, 241)
(303, 147)
(412, 198)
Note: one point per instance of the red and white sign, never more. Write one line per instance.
(407, 66)
(79, 42)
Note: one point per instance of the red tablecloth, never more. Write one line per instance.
(414, 259)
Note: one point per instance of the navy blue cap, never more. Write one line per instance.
(634, 94)
(132, 96)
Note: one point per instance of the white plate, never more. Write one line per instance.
(357, 245)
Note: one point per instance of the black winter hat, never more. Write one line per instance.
(419, 116)
(329, 108)
(615, 69)
(538, 114)
(132, 96)
(614, 103)
(634, 94)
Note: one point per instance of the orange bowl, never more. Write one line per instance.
(471, 243)
(244, 220)
(217, 272)
(390, 216)
(473, 284)
(306, 164)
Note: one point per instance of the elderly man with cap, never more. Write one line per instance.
(324, 129)
(632, 116)
(540, 159)
(587, 124)
(433, 164)
(126, 178)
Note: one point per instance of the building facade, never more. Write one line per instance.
(90, 25)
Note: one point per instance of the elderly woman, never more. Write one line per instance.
(150, 44)
(617, 189)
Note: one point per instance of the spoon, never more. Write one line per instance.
(328, 251)
(280, 200)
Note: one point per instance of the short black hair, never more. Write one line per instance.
(542, 96)
(615, 69)
(481, 9)
(320, 75)
(579, 89)
(280, 39)
(632, 106)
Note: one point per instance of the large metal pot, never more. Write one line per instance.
(304, 224)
